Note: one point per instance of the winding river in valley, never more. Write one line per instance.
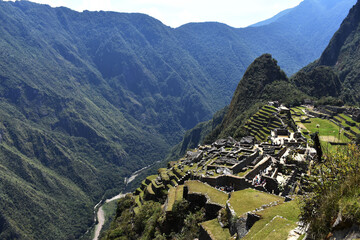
(100, 215)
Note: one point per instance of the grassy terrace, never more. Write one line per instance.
(347, 118)
(150, 178)
(277, 228)
(353, 128)
(326, 129)
(174, 194)
(215, 230)
(249, 199)
(263, 229)
(297, 113)
(137, 200)
(260, 124)
(215, 195)
(149, 189)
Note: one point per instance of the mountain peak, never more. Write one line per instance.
(263, 81)
(263, 71)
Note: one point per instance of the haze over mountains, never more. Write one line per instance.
(87, 98)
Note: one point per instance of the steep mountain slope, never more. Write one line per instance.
(73, 129)
(87, 98)
(295, 39)
(263, 81)
(318, 82)
(336, 73)
(343, 55)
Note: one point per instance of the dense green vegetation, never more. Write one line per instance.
(335, 194)
(150, 222)
(320, 82)
(343, 56)
(263, 81)
(88, 98)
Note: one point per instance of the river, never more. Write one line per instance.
(100, 213)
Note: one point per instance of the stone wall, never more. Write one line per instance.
(242, 225)
(258, 168)
(204, 235)
(200, 200)
(271, 185)
(222, 181)
(238, 167)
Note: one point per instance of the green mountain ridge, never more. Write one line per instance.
(88, 98)
(337, 68)
(263, 81)
(332, 77)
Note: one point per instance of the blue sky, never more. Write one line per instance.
(236, 13)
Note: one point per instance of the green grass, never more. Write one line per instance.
(174, 194)
(160, 170)
(249, 199)
(136, 210)
(354, 128)
(347, 118)
(137, 200)
(279, 229)
(326, 128)
(171, 198)
(164, 176)
(288, 210)
(242, 174)
(298, 110)
(215, 195)
(152, 177)
(215, 230)
(149, 189)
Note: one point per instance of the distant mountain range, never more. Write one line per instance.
(332, 79)
(87, 98)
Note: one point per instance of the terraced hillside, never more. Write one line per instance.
(219, 191)
(334, 127)
(263, 122)
(239, 189)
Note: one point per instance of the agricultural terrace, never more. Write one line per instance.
(345, 121)
(277, 228)
(264, 228)
(215, 196)
(249, 199)
(174, 194)
(262, 123)
(214, 229)
(325, 128)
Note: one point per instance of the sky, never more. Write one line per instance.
(174, 13)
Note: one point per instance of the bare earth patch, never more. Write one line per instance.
(301, 126)
(329, 139)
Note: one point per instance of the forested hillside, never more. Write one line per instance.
(87, 98)
(336, 72)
